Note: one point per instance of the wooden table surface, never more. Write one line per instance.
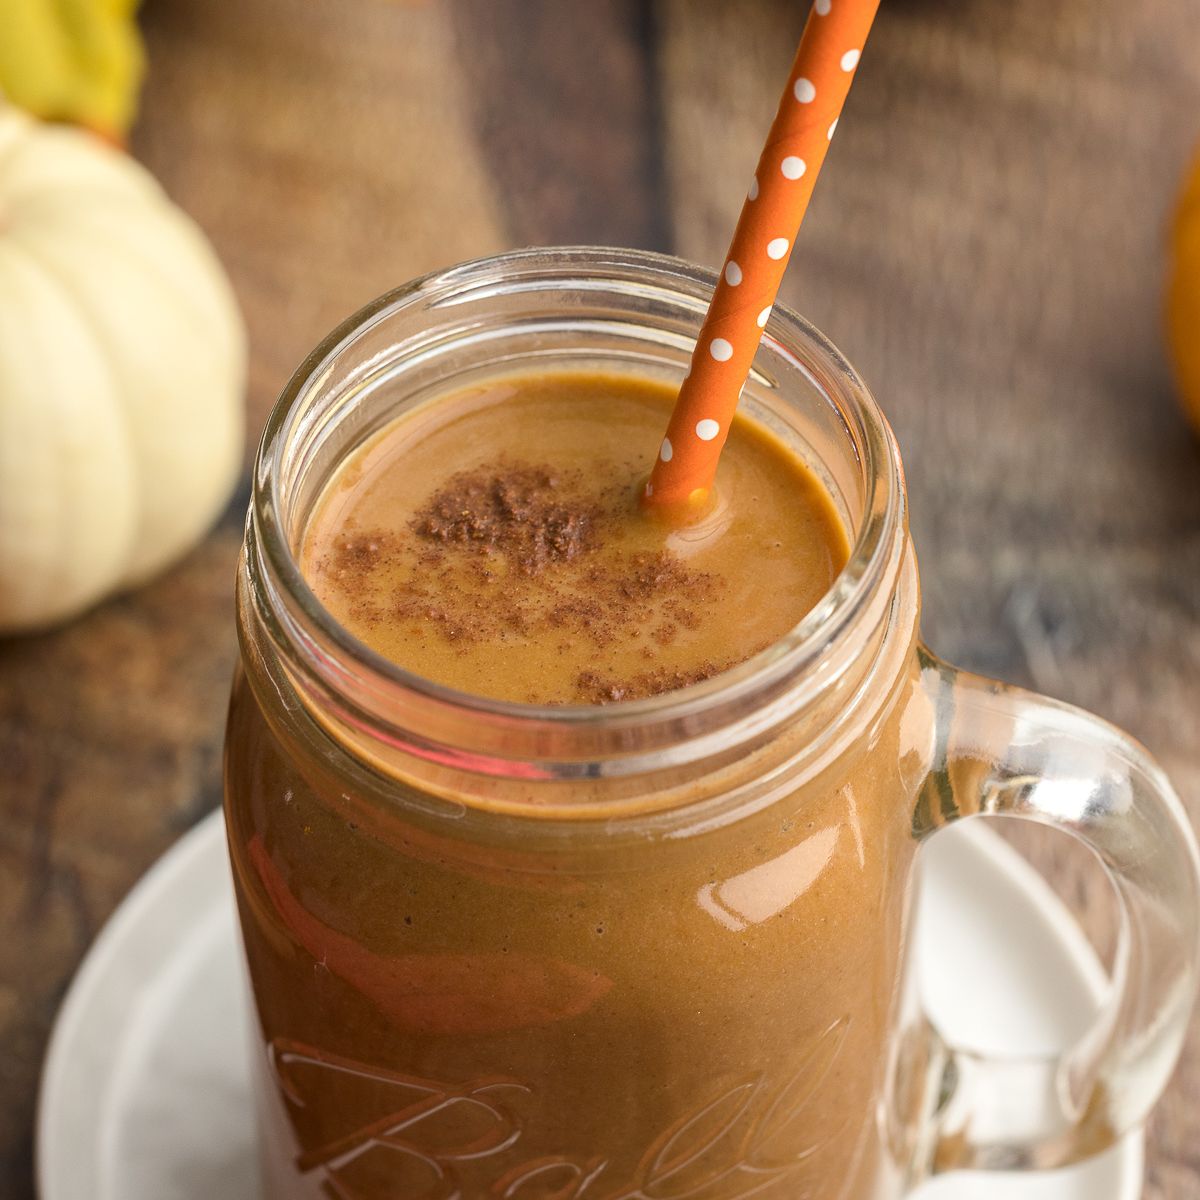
(986, 245)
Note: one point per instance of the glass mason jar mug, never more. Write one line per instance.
(656, 949)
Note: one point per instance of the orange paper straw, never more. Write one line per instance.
(817, 87)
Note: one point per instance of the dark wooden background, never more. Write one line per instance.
(987, 245)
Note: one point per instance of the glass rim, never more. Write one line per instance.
(876, 545)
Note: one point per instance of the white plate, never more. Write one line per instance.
(145, 1094)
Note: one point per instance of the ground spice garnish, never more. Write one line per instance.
(512, 550)
(523, 513)
(596, 688)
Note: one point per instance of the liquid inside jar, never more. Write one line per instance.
(460, 993)
(492, 541)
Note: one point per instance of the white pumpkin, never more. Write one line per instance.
(122, 373)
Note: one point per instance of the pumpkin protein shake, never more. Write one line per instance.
(636, 942)
(446, 1013)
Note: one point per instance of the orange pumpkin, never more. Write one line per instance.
(1183, 295)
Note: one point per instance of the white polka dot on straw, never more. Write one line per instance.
(666, 451)
(823, 7)
(707, 429)
(752, 194)
(777, 248)
(733, 273)
(804, 91)
(764, 317)
(832, 127)
(793, 167)
(721, 349)
(850, 59)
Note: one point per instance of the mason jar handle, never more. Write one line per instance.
(1004, 751)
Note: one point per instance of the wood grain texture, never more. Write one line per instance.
(565, 100)
(986, 245)
(328, 151)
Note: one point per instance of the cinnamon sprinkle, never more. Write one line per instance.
(595, 688)
(521, 513)
(502, 552)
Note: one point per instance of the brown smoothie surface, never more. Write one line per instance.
(492, 541)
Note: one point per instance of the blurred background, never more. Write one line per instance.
(998, 243)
